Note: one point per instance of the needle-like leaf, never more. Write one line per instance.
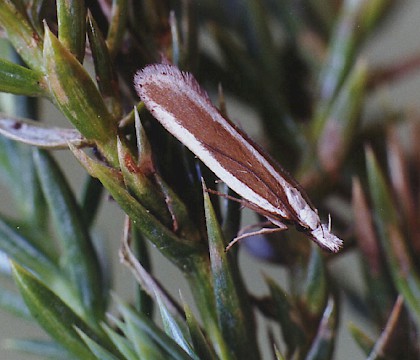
(138, 322)
(79, 258)
(122, 343)
(233, 309)
(175, 329)
(25, 252)
(201, 346)
(95, 348)
(17, 79)
(105, 74)
(403, 271)
(71, 16)
(52, 314)
(119, 14)
(322, 346)
(25, 39)
(288, 316)
(78, 98)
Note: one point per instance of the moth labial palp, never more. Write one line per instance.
(178, 102)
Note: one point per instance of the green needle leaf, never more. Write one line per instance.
(201, 346)
(340, 124)
(91, 199)
(20, 80)
(234, 313)
(381, 291)
(352, 23)
(138, 324)
(71, 16)
(144, 346)
(79, 257)
(18, 171)
(288, 317)
(105, 74)
(175, 329)
(313, 289)
(25, 39)
(57, 319)
(322, 346)
(124, 346)
(78, 98)
(100, 352)
(141, 184)
(144, 303)
(385, 211)
(278, 354)
(403, 271)
(117, 25)
(25, 252)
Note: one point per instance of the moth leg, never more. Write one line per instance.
(247, 228)
(258, 232)
(243, 202)
(226, 196)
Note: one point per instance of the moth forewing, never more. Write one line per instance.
(169, 121)
(177, 101)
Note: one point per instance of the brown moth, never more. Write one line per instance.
(178, 102)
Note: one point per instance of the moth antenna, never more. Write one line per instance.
(329, 222)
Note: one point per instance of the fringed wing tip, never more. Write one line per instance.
(168, 74)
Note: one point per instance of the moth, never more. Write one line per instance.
(178, 102)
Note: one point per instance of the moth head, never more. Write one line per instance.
(324, 238)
